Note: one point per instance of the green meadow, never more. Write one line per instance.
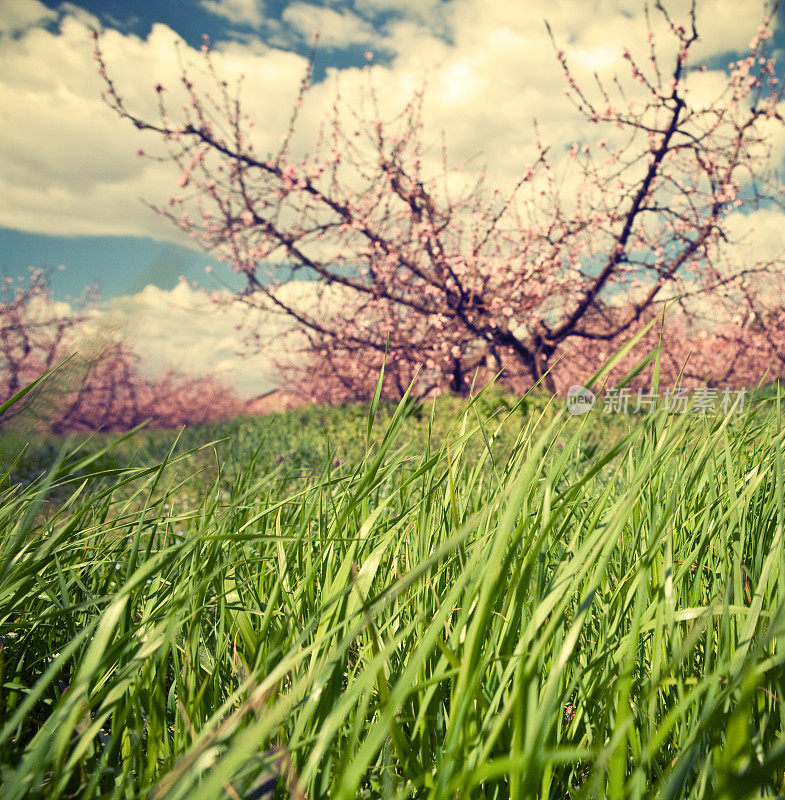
(472, 598)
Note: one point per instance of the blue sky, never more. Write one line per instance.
(71, 186)
(119, 265)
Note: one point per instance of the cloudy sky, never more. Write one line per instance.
(71, 185)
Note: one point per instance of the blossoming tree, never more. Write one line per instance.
(103, 384)
(451, 283)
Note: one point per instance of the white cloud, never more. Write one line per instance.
(80, 14)
(755, 236)
(430, 11)
(185, 329)
(336, 28)
(17, 16)
(68, 165)
(240, 12)
(195, 333)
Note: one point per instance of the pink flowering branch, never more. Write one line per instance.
(452, 285)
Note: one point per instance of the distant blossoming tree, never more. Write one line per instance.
(532, 284)
(102, 386)
(109, 391)
(35, 333)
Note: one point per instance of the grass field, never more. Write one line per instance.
(474, 599)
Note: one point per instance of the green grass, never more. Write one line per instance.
(469, 600)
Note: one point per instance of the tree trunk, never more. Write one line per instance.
(457, 382)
